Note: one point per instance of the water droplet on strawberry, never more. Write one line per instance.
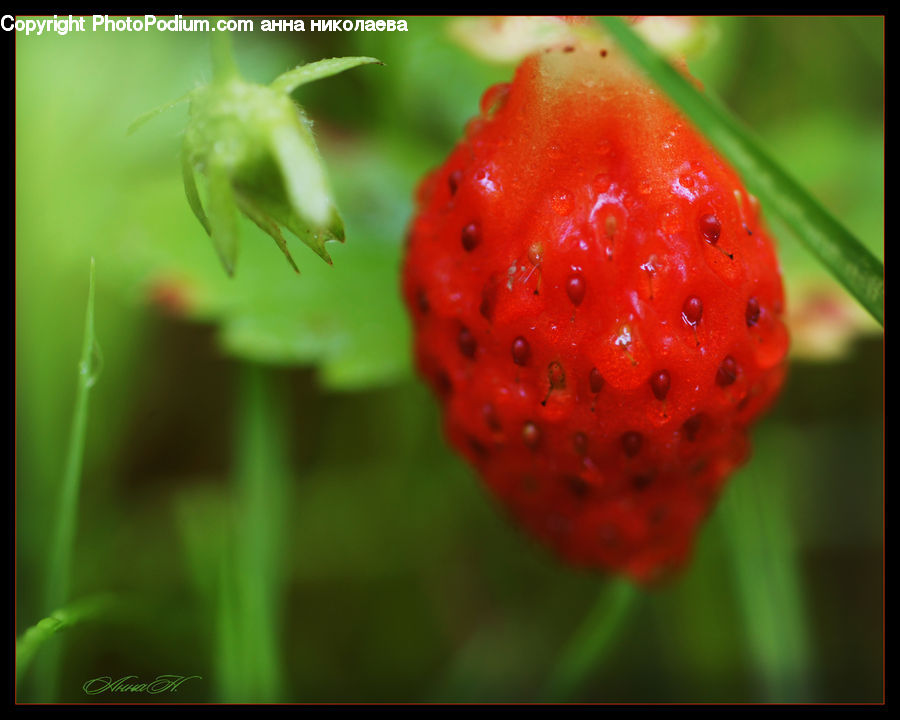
(710, 228)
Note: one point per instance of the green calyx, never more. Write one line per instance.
(255, 149)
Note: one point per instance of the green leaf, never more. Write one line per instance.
(288, 82)
(847, 259)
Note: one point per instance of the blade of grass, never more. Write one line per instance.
(768, 577)
(59, 569)
(591, 641)
(34, 637)
(848, 260)
(251, 578)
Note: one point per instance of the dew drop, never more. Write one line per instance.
(710, 228)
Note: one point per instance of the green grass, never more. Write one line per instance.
(251, 578)
(59, 571)
(28, 644)
(592, 641)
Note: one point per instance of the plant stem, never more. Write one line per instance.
(59, 570)
(591, 641)
(767, 575)
(224, 66)
(251, 579)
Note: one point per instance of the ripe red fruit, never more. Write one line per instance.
(598, 306)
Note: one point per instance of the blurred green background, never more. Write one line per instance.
(266, 491)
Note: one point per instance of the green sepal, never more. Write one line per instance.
(190, 190)
(149, 115)
(302, 74)
(267, 225)
(222, 215)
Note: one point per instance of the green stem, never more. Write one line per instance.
(63, 539)
(591, 641)
(768, 580)
(251, 578)
(224, 66)
(848, 260)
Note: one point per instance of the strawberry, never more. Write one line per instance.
(599, 309)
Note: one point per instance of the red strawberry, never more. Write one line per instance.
(598, 306)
